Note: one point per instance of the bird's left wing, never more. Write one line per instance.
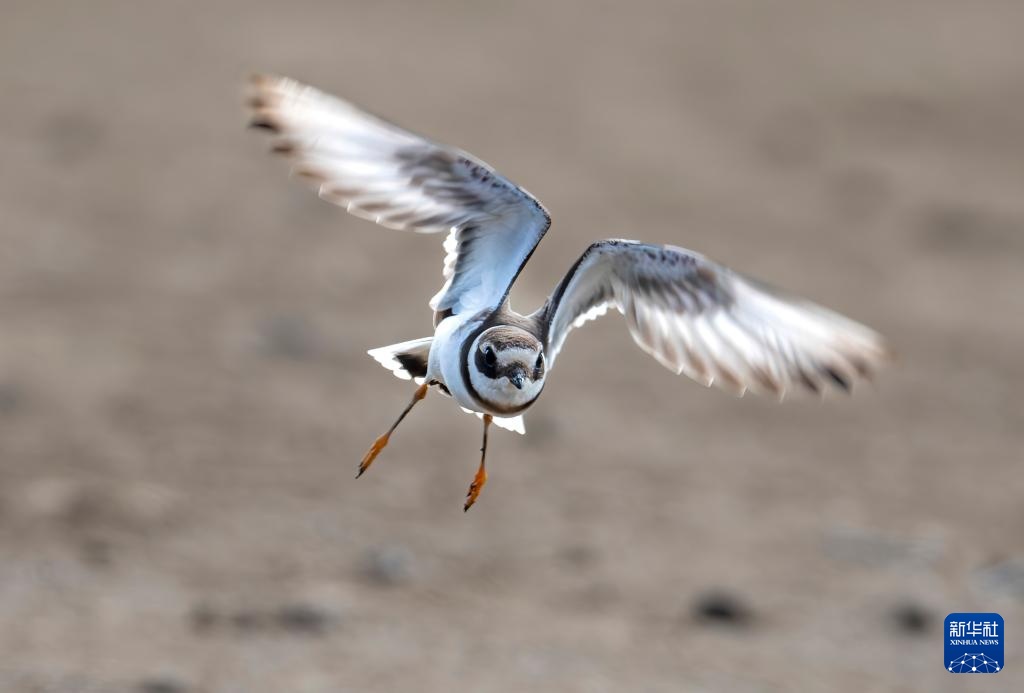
(717, 326)
(400, 180)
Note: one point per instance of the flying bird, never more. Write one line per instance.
(693, 315)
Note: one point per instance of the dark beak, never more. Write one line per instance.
(516, 378)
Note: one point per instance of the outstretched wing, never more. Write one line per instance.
(702, 319)
(397, 179)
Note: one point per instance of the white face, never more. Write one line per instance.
(506, 367)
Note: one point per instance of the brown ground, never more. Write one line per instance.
(184, 392)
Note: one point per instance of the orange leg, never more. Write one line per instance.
(379, 444)
(481, 473)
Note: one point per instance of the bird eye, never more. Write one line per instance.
(489, 356)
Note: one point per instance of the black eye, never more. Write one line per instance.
(540, 362)
(489, 357)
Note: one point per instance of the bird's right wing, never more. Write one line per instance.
(383, 173)
(700, 318)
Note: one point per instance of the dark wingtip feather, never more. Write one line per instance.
(838, 378)
(809, 382)
(264, 123)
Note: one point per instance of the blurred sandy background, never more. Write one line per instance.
(184, 392)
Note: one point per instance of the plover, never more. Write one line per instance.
(691, 314)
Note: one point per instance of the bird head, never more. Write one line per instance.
(507, 366)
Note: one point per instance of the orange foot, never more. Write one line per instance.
(372, 453)
(474, 489)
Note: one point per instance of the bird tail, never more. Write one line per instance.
(407, 360)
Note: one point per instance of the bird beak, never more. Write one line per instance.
(516, 378)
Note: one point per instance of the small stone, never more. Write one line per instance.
(911, 618)
(304, 619)
(722, 608)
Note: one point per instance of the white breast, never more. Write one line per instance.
(445, 361)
